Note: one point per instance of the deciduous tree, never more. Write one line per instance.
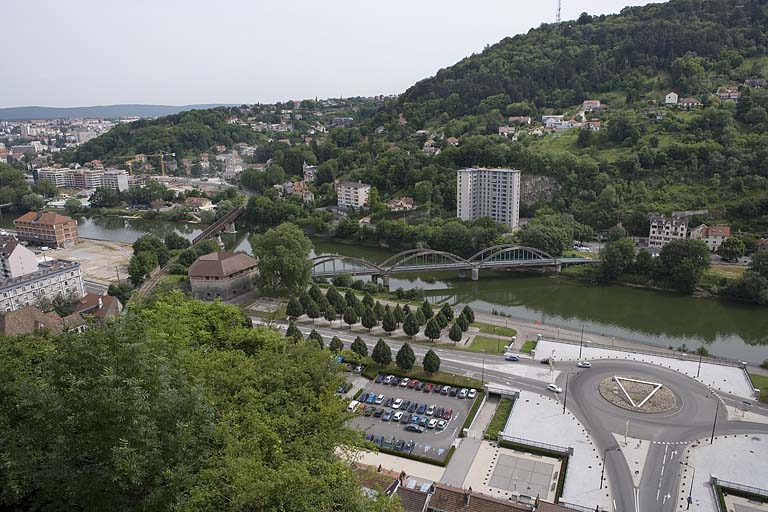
(431, 362)
(382, 354)
(405, 358)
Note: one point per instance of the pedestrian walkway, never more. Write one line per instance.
(458, 468)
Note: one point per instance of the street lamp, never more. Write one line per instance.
(482, 379)
(714, 423)
(565, 398)
(605, 460)
(690, 484)
(581, 343)
(701, 355)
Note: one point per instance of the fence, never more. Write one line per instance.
(562, 450)
(580, 508)
(757, 491)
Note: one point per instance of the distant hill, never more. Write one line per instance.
(100, 111)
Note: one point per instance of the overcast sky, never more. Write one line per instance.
(177, 52)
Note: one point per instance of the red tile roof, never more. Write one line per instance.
(221, 264)
(48, 218)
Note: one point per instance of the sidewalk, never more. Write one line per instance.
(457, 470)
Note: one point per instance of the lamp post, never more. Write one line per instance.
(701, 356)
(690, 484)
(565, 398)
(482, 379)
(605, 460)
(714, 423)
(581, 343)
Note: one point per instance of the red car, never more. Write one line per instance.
(427, 388)
(412, 384)
(447, 414)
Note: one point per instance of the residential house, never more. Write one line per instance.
(352, 194)
(51, 279)
(592, 124)
(688, 103)
(27, 320)
(400, 204)
(99, 307)
(550, 121)
(310, 172)
(671, 98)
(222, 275)
(730, 93)
(452, 141)
(664, 229)
(199, 204)
(301, 188)
(713, 236)
(15, 259)
(520, 119)
(591, 105)
(506, 131)
(46, 228)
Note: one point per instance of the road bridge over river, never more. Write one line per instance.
(497, 257)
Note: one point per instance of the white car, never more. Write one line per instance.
(379, 399)
(397, 416)
(472, 394)
(353, 405)
(387, 379)
(432, 423)
(404, 382)
(554, 388)
(584, 364)
(441, 424)
(397, 403)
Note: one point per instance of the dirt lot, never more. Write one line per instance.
(431, 443)
(100, 260)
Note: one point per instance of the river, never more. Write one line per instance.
(731, 330)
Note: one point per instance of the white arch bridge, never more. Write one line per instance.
(498, 257)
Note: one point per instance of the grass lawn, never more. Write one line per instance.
(528, 346)
(727, 270)
(487, 344)
(495, 329)
(500, 417)
(761, 382)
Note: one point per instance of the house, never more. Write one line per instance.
(199, 204)
(713, 236)
(664, 229)
(47, 229)
(100, 307)
(27, 320)
(550, 121)
(51, 279)
(591, 105)
(15, 259)
(310, 172)
(351, 193)
(400, 204)
(506, 131)
(452, 141)
(222, 275)
(592, 124)
(688, 103)
(365, 221)
(520, 119)
(730, 93)
(301, 188)
(762, 244)
(671, 98)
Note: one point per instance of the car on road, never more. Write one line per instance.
(428, 387)
(371, 398)
(422, 409)
(369, 411)
(447, 414)
(379, 379)
(397, 416)
(413, 383)
(432, 423)
(511, 357)
(353, 405)
(404, 382)
(584, 364)
(397, 403)
(414, 428)
(378, 400)
(430, 410)
(462, 393)
(441, 424)
(472, 394)
(386, 416)
(554, 388)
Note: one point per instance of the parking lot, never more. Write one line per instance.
(433, 441)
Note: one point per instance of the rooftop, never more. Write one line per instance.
(45, 218)
(221, 264)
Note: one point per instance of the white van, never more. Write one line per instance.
(352, 407)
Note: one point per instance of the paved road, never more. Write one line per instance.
(669, 433)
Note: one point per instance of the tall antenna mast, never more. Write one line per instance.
(559, 5)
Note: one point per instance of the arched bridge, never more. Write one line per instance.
(425, 260)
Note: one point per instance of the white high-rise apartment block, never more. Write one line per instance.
(493, 193)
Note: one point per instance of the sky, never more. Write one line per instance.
(181, 52)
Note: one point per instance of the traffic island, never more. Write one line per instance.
(634, 394)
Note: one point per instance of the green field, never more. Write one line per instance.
(495, 329)
(761, 382)
(500, 417)
(528, 346)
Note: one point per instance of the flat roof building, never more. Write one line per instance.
(51, 279)
(493, 193)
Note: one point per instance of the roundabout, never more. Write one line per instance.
(638, 395)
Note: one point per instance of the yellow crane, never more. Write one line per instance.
(130, 159)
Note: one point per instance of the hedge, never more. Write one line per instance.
(500, 418)
(359, 392)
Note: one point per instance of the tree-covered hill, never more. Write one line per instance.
(191, 131)
(553, 66)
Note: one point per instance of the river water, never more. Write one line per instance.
(664, 319)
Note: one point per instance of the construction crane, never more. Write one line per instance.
(559, 6)
(130, 159)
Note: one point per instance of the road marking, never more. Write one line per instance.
(637, 500)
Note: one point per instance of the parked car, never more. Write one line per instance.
(414, 428)
(584, 364)
(369, 411)
(371, 398)
(453, 392)
(405, 405)
(432, 423)
(386, 416)
(447, 414)
(419, 386)
(406, 418)
(441, 425)
(395, 381)
(364, 397)
(353, 405)
(397, 403)
(462, 393)
(545, 361)
(388, 379)
(409, 446)
(413, 383)
(399, 446)
(422, 408)
(428, 387)
(413, 407)
(342, 389)
(472, 394)
(445, 390)
(554, 388)
(378, 440)
(439, 412)
(379, 378)
(378, 413)
(511, 357)
(415, 419)
(423, 421)
(369, 437)
(397, 416)
(378, 400)
(430, 410)
(405, 381)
